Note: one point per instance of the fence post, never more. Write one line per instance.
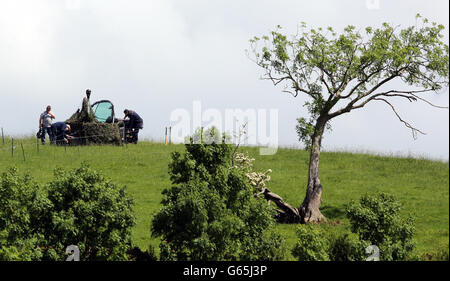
(170, 135)
(201, 135)
(12, 147)
(3, 137)
(165, 137)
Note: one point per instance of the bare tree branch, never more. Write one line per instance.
(322, 78)
(413, 129)
(422, 99)
(350, 106)
(278, 80)
(396, 93)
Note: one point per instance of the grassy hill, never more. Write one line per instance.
(421, 185)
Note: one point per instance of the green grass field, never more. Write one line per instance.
(421, 185)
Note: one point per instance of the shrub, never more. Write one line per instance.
(312, 244)
(376, 219)
(90, 212)
(209, 213)
(22, 208)
(136, 254)
(347, 248)
(19, 249)
(79, 207)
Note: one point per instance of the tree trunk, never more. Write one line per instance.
(309, 209)
(285, 212)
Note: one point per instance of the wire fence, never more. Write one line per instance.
(30, 148)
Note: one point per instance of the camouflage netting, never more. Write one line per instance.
(87, 130)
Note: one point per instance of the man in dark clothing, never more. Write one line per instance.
(60, 130)
(134, 124)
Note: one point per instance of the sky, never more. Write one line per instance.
(158, 56)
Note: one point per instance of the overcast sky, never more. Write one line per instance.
(156, 56)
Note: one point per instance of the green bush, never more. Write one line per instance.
(376, 219)
(19, 249)
(347, 248)
(79, 208)
(90, 212)
(22, 207)
(136, 254)
(312, 244)
(209, 213)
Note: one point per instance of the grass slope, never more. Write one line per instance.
(421, 185)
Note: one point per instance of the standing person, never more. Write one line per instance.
(45, 124)
(60, 131)
(134, 124)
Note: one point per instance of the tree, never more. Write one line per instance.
(339, 73)
(209, 213)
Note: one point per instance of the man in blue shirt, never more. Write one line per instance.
(60, 130)
(135, 123)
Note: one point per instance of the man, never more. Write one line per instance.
(45, 124)
(60, 131)
(135, 123)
